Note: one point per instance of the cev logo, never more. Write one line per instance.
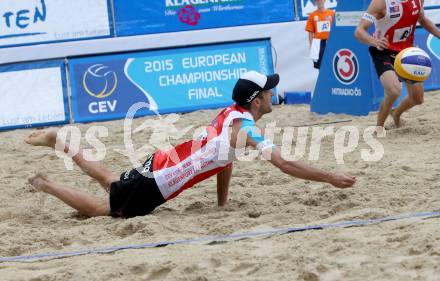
(308, 6)
(98, 82)
(345, 66)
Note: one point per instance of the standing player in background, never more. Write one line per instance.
(395, 22)
(318, 25)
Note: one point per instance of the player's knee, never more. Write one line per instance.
(393, 91)
(107, 181)
(100, 209)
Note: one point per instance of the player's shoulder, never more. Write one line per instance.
(242, 120)
(378, 5)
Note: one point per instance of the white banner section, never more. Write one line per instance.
(433, 15)
(431, 3)
(31, 97)
(36, 21)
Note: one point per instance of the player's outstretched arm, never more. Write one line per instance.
(306, 172)
(254, 138)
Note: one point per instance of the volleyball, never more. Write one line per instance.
(413, 64)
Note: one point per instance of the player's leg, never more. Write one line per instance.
(83, 202)
(92, 168)
(415, 97)
(392, 89)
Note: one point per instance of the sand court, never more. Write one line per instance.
(405, 180)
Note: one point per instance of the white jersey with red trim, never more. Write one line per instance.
(399, 23)
(193, 161)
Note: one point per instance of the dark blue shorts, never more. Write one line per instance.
(383, 60)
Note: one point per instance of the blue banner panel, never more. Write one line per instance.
(145, 17)
(431, 45)
(172, 80)
(41, 21)
(33, 95)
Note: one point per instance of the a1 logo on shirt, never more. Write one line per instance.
(323, 26)
(402, 34)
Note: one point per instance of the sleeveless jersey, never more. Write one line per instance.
(399, 23)
(193, 161)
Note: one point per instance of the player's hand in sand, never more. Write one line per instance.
(39, 182)
(42, 138)
(342, 180)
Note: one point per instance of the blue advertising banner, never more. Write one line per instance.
(431, 45)
(172, 80)
(145, 17)
(41, 21)
(33, 94)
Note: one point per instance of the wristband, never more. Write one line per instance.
(368, 17)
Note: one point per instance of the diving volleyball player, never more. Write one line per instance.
(165, 174)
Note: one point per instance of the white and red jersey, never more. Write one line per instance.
(399, 23)
(193, 161)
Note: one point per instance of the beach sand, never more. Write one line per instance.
(405, 180)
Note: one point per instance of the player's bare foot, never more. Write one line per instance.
(396, 118)
(42, 138)
(379, 131)
(39, 182)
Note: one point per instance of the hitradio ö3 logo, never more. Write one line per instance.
(345, 66)
(98, 82)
